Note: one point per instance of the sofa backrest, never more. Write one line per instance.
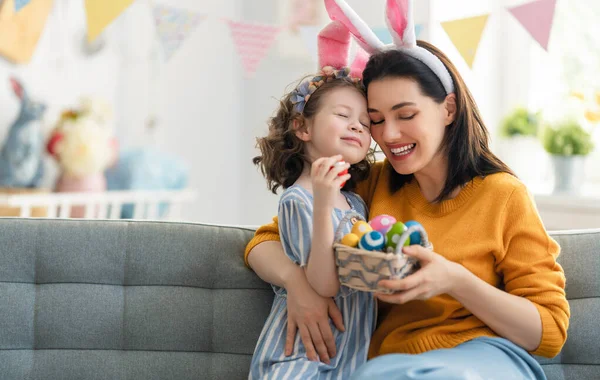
(580, 258)
(126, 300)
(84, 299)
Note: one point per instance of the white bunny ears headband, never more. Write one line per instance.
(400, 22)
(334, 46)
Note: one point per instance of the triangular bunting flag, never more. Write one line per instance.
(465, 35)
(537, 18)
(20, 32)
(309, 36)
(20, 4)
(384, 35)
(100, 13)
(252, 42)
(174, 26)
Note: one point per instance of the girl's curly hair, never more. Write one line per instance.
(282, 156)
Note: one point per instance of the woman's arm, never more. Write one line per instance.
(307, 311)
(512, 317)
(531, 311)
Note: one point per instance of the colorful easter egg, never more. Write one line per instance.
(392, 238)
(360, 228)
(415, 237)
(382, 223)
(351, 240)
(372, 241)
(343, 172)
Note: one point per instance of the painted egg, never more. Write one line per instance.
(360, 228)
(382, 223)
(415, 237)
(392, 238)
(372, 241)
(343, 172)
(351, 240)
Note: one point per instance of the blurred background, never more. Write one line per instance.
(141, 95)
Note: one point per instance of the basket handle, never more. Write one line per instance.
(406, 236)
(347, 218)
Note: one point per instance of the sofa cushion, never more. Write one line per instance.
(126, 300)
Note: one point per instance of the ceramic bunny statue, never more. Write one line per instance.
(21, 157)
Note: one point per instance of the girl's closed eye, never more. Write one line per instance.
(342, 115)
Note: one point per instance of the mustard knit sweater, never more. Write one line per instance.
(493, 229)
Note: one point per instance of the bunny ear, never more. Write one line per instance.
(334, 45)
(359, 63)
(339, 10)
(17, 87)
(400, 22)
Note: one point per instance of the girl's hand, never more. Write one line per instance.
(436, 276)
(310, 313)
(326, 181)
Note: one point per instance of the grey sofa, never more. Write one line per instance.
(149, 300)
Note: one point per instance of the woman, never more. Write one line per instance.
(492, 292)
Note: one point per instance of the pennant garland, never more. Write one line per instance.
(100, 13)
(20, 4)
(465, 35)
(20, 32)
(174, 26)
(537, 18)
(252, 42)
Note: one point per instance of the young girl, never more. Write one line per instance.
(320, 131)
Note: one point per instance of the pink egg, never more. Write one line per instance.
(382, 223)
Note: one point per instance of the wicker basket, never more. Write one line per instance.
(361, 269)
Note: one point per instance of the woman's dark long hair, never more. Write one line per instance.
(466, 140)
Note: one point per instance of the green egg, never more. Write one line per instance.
(392, 237)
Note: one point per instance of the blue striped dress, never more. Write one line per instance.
(357, 308)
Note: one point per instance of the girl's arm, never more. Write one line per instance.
(321, 270)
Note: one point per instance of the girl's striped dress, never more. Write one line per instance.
(358, 308)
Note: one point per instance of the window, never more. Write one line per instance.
(571, 64)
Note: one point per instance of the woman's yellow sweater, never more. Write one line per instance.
(493, 229)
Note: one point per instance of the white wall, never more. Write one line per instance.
(195, 97)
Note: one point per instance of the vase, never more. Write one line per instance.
(81, 184)
(568, 174)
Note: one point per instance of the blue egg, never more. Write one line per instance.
(415, 237)
(372, 241)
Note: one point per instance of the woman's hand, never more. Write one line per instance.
(436, 276)
(327, 181)
(310, 313)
